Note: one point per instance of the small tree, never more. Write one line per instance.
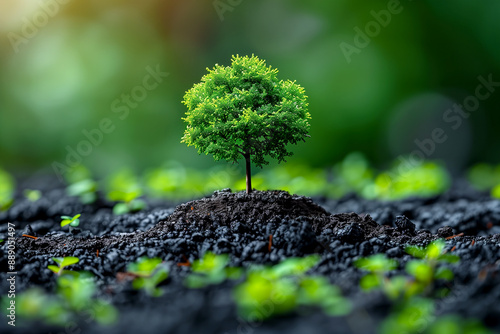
(244, 110)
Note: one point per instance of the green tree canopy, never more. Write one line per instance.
(243, 110)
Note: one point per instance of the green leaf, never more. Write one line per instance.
(434, 249)
(58, 260)
(196, 281)
(55, 269)
(136, 205)
(210, 263)
(64, 262)
(233, 272)
(396, 286)
(139, 283)
(124, 187)
(444, 274)
(82, 187)
(65, 222)
(159, 276)
(376, 263)
(412, 317)
(120, 209)
(449, 258)
(416, 251)
(295, 266)
(106, 314)
(77, 290)
(420, 270)
(370, 282)
(88, 198)
(414, 288)
(447, 324)
(75, 223)
(32, 195)
(144, 266)
(69, 260)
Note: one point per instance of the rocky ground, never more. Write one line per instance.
(260, 228)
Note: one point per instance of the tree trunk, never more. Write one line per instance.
(249, 173)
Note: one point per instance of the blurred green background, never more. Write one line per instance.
(66, 65)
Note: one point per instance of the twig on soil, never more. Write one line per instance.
(97, 253)
(270, 242)
(473, 242)
(455, 236)
(30, 236)
(184, 264)
(454, 247)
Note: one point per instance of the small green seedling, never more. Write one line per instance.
(71, 221)
(62, 262)
(211, 269)
(149, 273)
(279, 290)
(318, 291)
(1, 240)
(84, 189)
(426, 270)
(243, 110)
(125, 189)
(422, 180)
(72, 300)
(412, 316)
(75, 296)
(32, 195)
(417, 316)
(379, 265)
(81, 184)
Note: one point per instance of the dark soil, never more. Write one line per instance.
(241, 225)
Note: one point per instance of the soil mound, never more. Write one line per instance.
(225, 207)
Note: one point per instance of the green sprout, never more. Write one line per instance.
(7, 189)
(211, 269)
(417, 315)
(71, 221)
(125, 188)
(80, 184)
(495, 192)
(412, 316)
(426, 270)
(243, 110)
(73, 300)
(484, 177)
(62, 262)
(317, 291)
(149, 273)
(32, 195)
(422, 180)
(85, 190)
(278, 290)
(353, 174)
(379, 265)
